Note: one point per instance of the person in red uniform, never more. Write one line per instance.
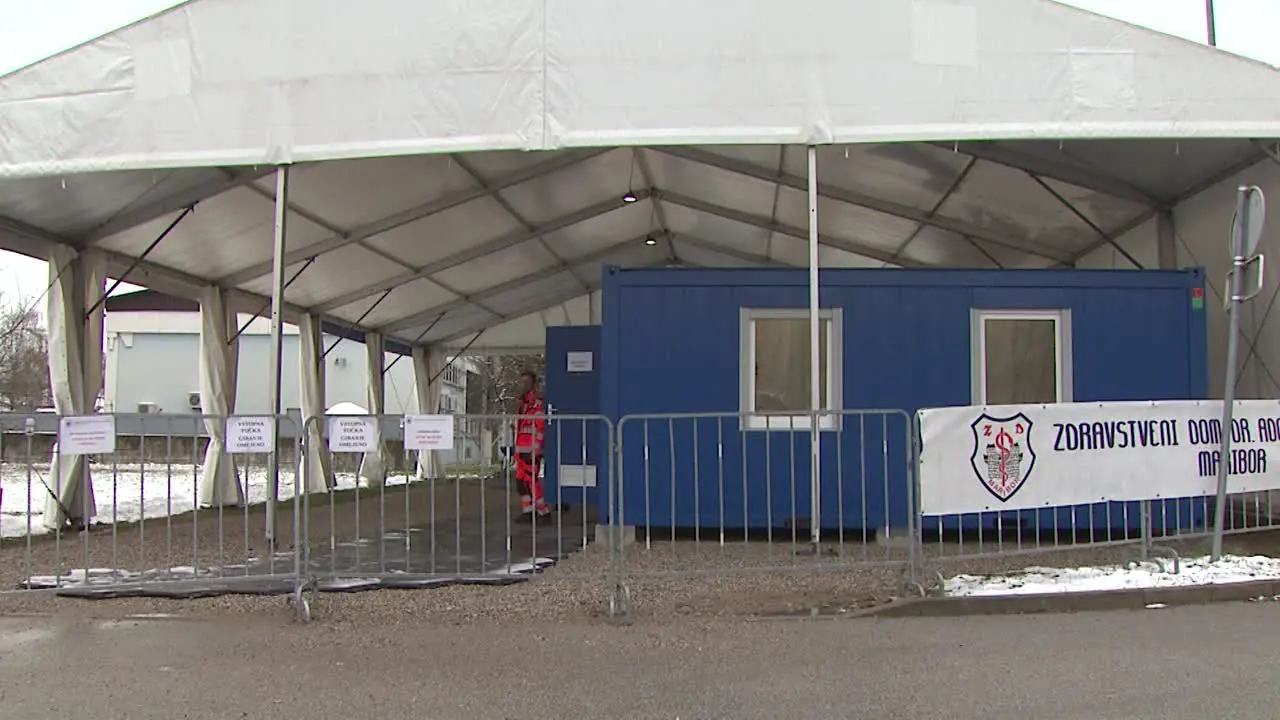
(530, 428)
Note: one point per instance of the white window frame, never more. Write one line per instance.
(833, 320)
(1062, 345)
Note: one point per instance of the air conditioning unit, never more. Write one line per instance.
(147, 408)
(193, 400)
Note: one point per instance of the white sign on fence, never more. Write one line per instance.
(251, 434)
(583, 476)
(353, 434)
(1015, 457)
(428, 432)
(87, 435)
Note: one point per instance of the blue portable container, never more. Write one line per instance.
(673, 342)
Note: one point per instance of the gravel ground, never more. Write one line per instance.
(667, 579)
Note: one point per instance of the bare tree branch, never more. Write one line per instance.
(24, 358)
(499, 379)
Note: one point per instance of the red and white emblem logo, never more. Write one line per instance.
(1002, 456)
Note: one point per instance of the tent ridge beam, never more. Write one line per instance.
(515, 214)
(514, 284)
(1231, 170)
(128, 220)
(266, 306)
(750, 219)
(414, 214)
(951, 190)
(298, 210)
(139, 260)
(743, 255)
(534, 307)
(411, 273)
(478, 251)
(1084, 218)
(467, 298)
(646, 174)
(33, 242)
(777, 196)
(1071, 173)
(851, 197)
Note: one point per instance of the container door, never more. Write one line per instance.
(573, 391)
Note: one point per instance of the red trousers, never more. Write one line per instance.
(527, 466)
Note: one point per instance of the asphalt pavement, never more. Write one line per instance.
(1196, 662)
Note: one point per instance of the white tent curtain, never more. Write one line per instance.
(428, 363)
(373, 467)
(316, 468)
(75, 374)
(219, 360)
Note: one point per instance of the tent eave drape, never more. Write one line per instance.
(373, 466)
(75, 372)
(219, 357)
(317, 471)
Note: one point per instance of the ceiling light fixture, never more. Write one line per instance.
(630, 196)
(649, 240)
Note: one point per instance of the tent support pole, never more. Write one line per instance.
(1211, 23)
(1240, 232)
(277, 351)
(296, 274)
(815, 359)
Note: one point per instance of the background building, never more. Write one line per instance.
(152, 361)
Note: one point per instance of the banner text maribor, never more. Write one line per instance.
(1203, 432)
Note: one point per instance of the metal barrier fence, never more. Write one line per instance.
(1149, 527)
(729, 492)
(456, 519)
(1084, 534)
(418, 519)
(674, 495)
(145, 528)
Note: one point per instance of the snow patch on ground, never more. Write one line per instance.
(1042, 580)
(128, 493)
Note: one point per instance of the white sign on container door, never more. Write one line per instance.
(428, 432)
(580, 361)
(87, 435)
(1017, 457)
(251, 434)
(353, 434)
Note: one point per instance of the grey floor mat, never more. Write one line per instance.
(414, 559)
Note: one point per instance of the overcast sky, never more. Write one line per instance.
(32, 31)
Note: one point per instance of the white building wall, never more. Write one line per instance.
(154, 357)
(1202, 226)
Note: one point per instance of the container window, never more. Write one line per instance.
(776, 368)
(1021, 358)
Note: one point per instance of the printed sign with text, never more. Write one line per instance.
(1015, 457)
(251, 434)
(580, 361)
(428, 432)
(353, 434)
(87, 435)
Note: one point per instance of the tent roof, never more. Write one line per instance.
(417, 209)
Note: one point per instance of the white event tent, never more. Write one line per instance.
(455, 174)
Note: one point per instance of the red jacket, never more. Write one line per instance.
(530, 430)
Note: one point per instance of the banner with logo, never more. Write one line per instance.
(1019, 457)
